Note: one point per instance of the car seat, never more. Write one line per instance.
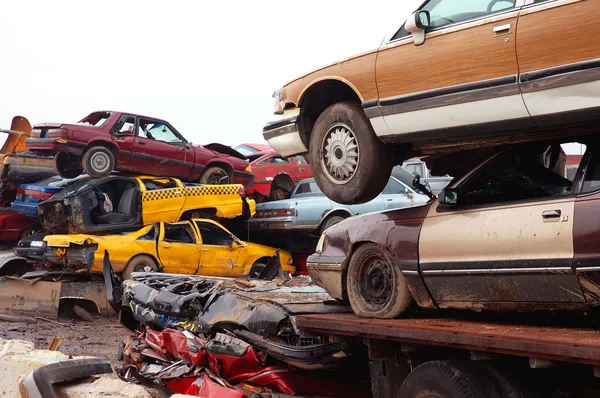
(125, 209)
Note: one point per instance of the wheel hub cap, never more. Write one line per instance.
(100, 162)
(340, 153)
(377, 282)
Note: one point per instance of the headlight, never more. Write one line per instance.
(321, 243)
(37, 243)
(279, 102)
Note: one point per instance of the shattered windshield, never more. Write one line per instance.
(96, 119)
(76, 188)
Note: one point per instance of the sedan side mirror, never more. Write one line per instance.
(417, 24)
(448, 196)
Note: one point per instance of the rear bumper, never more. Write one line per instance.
(25, 209)
(328, 273)
(284, 136)
(53, 145)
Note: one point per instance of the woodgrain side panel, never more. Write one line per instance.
(448, 58)
(564, 34)
(358, 72)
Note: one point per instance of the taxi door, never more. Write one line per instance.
(178, 248)
(222, 253)
(162, 199)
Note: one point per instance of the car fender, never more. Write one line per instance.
(340, 210)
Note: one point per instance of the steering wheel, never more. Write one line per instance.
(494, 2)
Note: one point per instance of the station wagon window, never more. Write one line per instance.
(393, 187)
(181, 233)
(213, 235)
(448, 12)
(523, 173)
(158, 131)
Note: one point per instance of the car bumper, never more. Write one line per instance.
(25, 209)
(283, 224)
(53, 145)
(328, 273)
(284, 135)
(31, 253)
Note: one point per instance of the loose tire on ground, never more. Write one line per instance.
(215, 175)
(330, 222)
(349, 163)
(98, 161)
(141, 263)
(67, 165)
(447, 379)
(376, 287)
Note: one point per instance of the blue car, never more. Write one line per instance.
(309, 210)
(30, 195)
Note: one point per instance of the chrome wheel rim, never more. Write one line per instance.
(340, 154)
(100, 162)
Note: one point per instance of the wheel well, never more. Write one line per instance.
(339, 212)
(319, 97)
(225, 166)
(280, 181)
(263, 260)
(204, 213)
(111, 147)
(152, 256)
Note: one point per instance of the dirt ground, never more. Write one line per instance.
(99, 338)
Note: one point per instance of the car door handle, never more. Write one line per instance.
(166, 246)
(302, 169)
(389, 200)
(501, 28)
(549, 214)
(141, 142)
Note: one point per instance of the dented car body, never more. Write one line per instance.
(118, 203)
(512, 233)
(197, 247)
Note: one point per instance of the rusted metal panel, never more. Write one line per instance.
(44, 297)
(571, 344)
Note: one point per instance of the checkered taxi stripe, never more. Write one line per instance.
(202, 190)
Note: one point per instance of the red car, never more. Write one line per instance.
(16, 226)
(105, 141)
(275, 176)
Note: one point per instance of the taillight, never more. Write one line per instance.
(248, 169)
(39, 196)
(242, 192)
(275, 213)
(58, 133)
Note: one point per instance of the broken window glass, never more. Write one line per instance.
(95, 119)
(179, 233)
(213, 235)
(150, 235)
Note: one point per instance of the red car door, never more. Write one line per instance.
(123, 133)
(303, 168)
(160, 150)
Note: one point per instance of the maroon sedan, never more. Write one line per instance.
(106, 141)
(16, 226)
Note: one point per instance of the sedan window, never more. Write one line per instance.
(519, 174)
(308, 188)
(393, 187)
(181, 233)
(414, 169)
(158, 131)
(447, 12)
(213, 235)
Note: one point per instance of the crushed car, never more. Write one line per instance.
(105, 141)
(511, 232)
(121, 203)
(214, 337)
(196, 247)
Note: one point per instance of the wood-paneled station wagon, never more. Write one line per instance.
(457, 73)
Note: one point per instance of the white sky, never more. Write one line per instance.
(209, 68)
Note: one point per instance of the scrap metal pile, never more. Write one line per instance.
(216, 337)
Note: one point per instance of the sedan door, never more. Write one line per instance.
(508, 239)
(465, 73)
(222, 254)
(178, 249)
(159, 150)
(558, 51)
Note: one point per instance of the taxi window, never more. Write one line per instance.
(162, 183)
(179, 233)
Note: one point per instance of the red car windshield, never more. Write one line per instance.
(95, 119)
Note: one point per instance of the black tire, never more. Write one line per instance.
(376, 287)
(447, 379)
(67, 165)
(30, 231)
(215, 175)
(330, 222)
(98, 161)
(256, 269)
(333, 129)
(509, 385)
(141, 263)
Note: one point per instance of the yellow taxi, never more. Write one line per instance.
(196, 247)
